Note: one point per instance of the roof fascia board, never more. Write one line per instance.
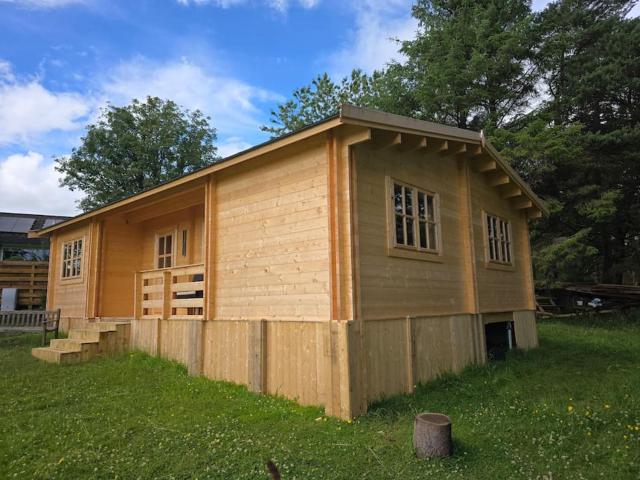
(226, 163)
(388, 121)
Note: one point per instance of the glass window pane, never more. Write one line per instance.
(410, 239)
(168, 242)
(408, 201)
(492, 255)
(399, 230)
(422, 209)
(161, 262)
(167, 262)
(397, 198)
(431, 216)
(423, 235)
(433, 241)
(161, 246)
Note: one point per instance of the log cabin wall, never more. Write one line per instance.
(424, 314)
(303, 296)
(70, 294)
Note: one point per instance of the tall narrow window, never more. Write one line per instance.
(72, 258)
(415, 223)
(165, 250)
(498, 232)
(184, 242)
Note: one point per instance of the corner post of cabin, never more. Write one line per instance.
(469, 257)
(345, 330)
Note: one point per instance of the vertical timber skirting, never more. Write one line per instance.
(256, 350)
(194, 351)
(410, 349)
(526, 329)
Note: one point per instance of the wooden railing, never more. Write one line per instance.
(30, 278)
(171, 293)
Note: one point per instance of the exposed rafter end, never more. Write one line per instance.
(511, 191)
(497, 178)
(440, 146)
(534, 213)
(459, 149)
(484, 165)
(521, 203)
(383, 139)
(412, 143)
(475, 150)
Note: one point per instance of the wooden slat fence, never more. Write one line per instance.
(30, 278)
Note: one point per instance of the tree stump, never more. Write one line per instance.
(432, 435)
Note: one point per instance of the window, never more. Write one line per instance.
(72, 258)
(498, 239)
(165, 249)
(415, 222)
(184, 243)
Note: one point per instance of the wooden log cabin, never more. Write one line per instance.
(336, 265)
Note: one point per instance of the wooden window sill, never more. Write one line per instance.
(504, 267)
(414, 254)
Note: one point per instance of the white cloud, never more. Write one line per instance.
(232, 145)
(28, 109)
(280, 5)
(30, 185)
(44, 3)
(370, 45)
(231, 103)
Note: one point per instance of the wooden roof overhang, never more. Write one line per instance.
(385, 130)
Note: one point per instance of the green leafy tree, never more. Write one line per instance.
(470, 64)
(323, 97)
(136, 147)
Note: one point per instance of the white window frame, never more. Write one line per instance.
(414, 218)
(498, 239)
(72, 258)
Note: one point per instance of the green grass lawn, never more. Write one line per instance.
(570, 409)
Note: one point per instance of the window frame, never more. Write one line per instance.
(72, 259)
(156, 253)
(394, 248)
(501, 244)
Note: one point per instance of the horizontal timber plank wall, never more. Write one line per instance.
(269, 233)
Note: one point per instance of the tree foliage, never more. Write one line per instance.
(557, 92)
(136, 147)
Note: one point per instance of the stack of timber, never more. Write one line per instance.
(572, 298)
(30, 278)
(98, 338)
(625, 293)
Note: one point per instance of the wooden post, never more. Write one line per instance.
(166, 295)
(408, 328)
(256, 348)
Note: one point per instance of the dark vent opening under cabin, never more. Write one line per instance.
(500, 338)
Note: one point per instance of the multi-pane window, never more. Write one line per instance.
(165, 251)
(498, 239)
(72, 258)
(414, 218)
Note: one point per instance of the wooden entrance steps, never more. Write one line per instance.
(99, 338)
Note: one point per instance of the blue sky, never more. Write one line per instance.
(61, 60)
